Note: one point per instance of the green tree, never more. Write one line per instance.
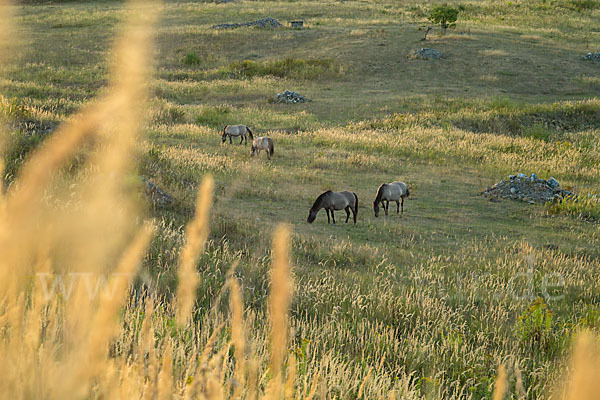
(444, 15)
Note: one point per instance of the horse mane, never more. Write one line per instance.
(320, 200)
(380, 193)
(225, 130)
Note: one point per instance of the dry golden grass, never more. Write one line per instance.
(493, 53)
(279, 302)
(500, 384)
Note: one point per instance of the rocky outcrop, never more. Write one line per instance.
(261, 23)
(525, 188)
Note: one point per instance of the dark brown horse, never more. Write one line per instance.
(331, 201)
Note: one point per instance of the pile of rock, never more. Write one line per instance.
(289, 97)
(261, 23)
(530, 189)
(427, 54)
(157, 196)
(592, 56)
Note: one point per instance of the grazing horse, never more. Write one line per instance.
(262, 143)
(331, 201)
(235, 131)
(395, 191)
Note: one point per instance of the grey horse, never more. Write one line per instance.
(241, 131)
(331, 201)
(395, 191)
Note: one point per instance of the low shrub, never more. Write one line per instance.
(444, 15)
(537, 131)
(192, 58)
(586, 206)
(213, 116)
(534, 326)
(13, 109)
(293, 68)
(20, 146)
(169, 114)
(583, 5)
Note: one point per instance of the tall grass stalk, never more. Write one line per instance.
(279, 301)
(196, 233)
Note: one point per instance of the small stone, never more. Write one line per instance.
(512, 177)
(553, 183)
(513, 190)
(533, 177)
(592, 56)
(427, 54)
(158, 196)
(521, 175)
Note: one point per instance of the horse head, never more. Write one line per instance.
(224, 136)
(318, 204)
(378, 199)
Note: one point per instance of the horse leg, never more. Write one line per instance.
(397, 207)
(268, 154)
(327, 211)
(230, 141)
(402, 204)
(241, 139)
(387, 207)
(332, 216)
(347, 213)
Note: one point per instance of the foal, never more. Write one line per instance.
(331, 201)
(262, 143)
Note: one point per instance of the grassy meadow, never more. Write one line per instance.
(458, 298)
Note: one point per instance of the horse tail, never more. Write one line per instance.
(250, 133)
(355, 204)
(271, 148)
